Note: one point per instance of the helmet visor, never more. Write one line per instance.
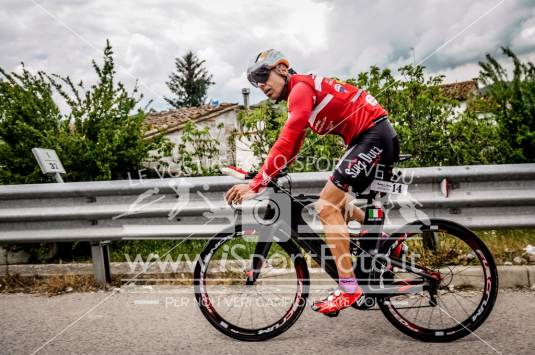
(259, 75)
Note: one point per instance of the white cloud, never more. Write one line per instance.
(338, 38)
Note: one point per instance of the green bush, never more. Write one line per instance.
(100, 138)
(29, 118)
(511, 103)
(426, 118)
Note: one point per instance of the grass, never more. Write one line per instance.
(55, 285)
(178, 248)
(48, 285)
(175, 248)
(505, 245)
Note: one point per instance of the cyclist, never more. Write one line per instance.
(327, 106)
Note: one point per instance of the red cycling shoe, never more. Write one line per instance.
(336, 301)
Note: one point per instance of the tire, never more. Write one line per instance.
(455, 274)
(208, 303)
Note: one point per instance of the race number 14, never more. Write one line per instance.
(389, 187)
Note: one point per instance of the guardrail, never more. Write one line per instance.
(480, 197)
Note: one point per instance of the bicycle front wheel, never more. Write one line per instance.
(250, 312)
(466, 285)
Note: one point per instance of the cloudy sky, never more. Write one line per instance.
(339, 38)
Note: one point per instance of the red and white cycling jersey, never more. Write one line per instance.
(325, 105)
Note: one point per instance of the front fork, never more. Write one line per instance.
(260, 254)
(261, 250)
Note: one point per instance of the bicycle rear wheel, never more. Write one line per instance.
(250, 312)
(464, 296)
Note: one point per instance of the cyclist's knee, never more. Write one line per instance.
(331, 201)
(327, 209)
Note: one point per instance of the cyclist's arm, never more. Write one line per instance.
(298, 144)
(285, 149)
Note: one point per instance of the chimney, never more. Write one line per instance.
(245, 92)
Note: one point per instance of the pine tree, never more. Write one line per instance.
(190, 82)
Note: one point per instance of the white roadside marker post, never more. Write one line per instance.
(50, 164)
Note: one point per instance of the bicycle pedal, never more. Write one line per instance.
(332, 314)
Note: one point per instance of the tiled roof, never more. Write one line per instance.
(460, 91)
(172, 120)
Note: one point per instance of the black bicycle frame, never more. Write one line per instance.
(313, 244)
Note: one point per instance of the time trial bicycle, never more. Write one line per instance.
(433, 279)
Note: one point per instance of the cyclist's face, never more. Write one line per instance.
(275, 84)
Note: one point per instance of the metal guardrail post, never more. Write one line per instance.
(101, 262)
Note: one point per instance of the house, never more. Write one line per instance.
(462, 91)
(172, 122)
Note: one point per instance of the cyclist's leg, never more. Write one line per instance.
(329, 207)
(370, 158)
(357, 168)
(351, 211)
(337, 234)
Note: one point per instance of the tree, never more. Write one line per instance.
(511, 102)
(29, 118)
(190, 82)
(261, 127)
(198, 150)
(426, 119)
(474, 139)
(101, 138)
(106, 140)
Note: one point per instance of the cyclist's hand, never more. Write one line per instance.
(239, 193)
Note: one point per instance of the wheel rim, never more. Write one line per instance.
(250, 310)
(464, 290)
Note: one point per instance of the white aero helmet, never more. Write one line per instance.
(258, 72)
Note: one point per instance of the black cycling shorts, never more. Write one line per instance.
(371, 155)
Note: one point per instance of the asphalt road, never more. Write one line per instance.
(166, 321)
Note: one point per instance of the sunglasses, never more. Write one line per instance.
(259, 76)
